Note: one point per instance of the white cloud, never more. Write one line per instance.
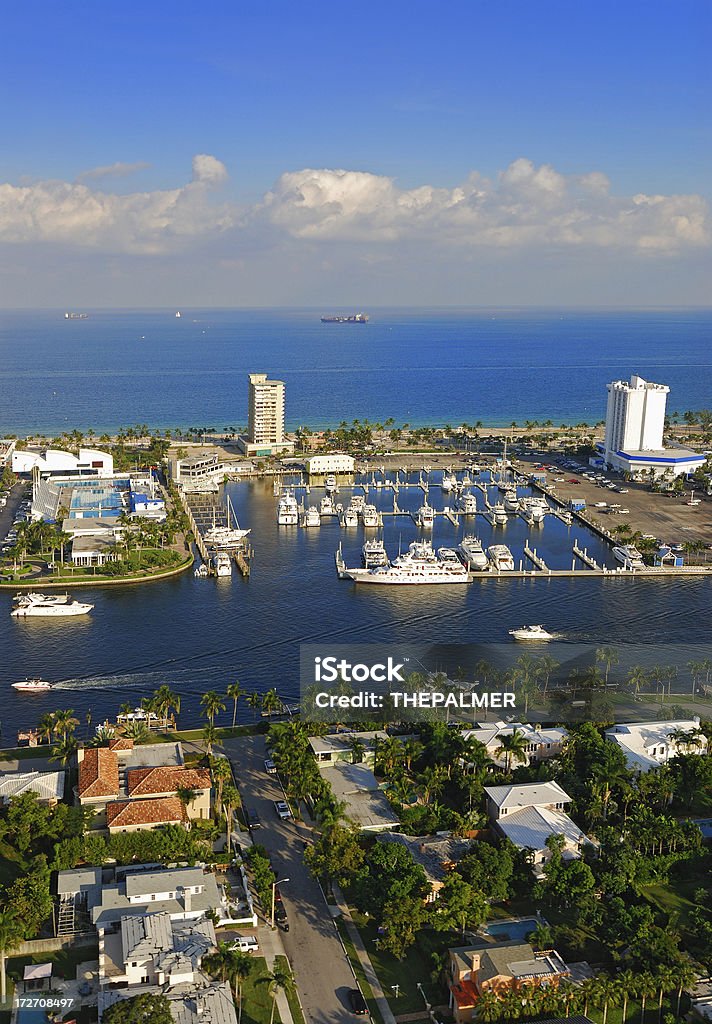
(117, 170)
(525, 207)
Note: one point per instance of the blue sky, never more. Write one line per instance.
(424, 94)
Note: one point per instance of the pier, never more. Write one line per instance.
(205, 512)
(536, 559)
(587, 559)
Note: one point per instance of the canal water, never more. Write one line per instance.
(199, 634)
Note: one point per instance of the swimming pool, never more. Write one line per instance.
(514, 930)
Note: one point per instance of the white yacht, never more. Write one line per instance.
(467, 503)
(33, 685)
(223, 565)
(536, 633)
(500, 558)
(533, 509)
(629, 556)
(448, 556)
(419, 565)
(471, 552)
(224, 536)
(497, 514)
(370, 515)
(312, 517)
(330, 482)
(351, 516)
(426, 517)
(358, 501)
(449, 481)
(374, 554)
(326, 506)
(511, 500)
(201, 572)
(287, 510)
(52, 606)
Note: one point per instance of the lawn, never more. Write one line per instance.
(416, 967)
(674, 900)
(358, 971)
(291, 993)
(256, 998)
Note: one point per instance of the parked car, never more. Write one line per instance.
(245, 944)
(282, 810)
(253, 818)
(270, 767)
(280, 914)
(357, 1002)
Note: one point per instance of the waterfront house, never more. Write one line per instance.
(530, 813)
(500, 969)
(341, 746)
(541, 742)
(104, 774)
(137, 815)
(49, 786)
(648, 745)
(166, 780)
(366, 804)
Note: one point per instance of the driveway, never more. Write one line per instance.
(321, 970)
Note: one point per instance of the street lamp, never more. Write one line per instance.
(277, 881)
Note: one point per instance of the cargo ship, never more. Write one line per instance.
(356, 318)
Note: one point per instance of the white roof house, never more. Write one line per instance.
(530, 813)
(49, 786)
(648, 745)
(541, 743)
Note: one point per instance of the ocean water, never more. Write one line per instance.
(120, 368)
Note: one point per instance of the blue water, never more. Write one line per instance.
(512, 931)
(422, 367)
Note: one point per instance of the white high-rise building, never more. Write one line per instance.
(265, 417)
(265, 423)
(635, 418)
(635, 423)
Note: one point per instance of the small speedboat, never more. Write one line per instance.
(32, 685)
(537, 633)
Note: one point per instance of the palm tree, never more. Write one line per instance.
(254, 700)
(210, 737)
(607, 656)
(64, 750)
(234, 692)
(271, 702)
(213, 703)
(545, 668)
(541, 937)
(358, 750)
(221, 773)
(513, 745)
(228, 964)
(645, 987)
(64, 722)
(11, 935)
(278, 979)
(186, 795)
(230, 800)
(627, 981)
(164, 699)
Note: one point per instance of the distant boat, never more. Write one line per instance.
(357, 318)
(76, 316)
(179, 315)
(32, 685)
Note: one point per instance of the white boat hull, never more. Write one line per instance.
(52, 611)
(391, 579)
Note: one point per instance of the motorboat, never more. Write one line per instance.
(351, 516)
(535, 633)
(449, 481)
(471, 552)
(312, 517)
(629, 556)
(201, 572)
(466, 503)
(500, 558)
(370, 515)
(497, 514)
(32, 685)
(223, 565)
(326, 506)
(511, 500)
(426, 517)
(418, 565)
(374, 554)
(330, 482)
(48, 606)
(287, 510)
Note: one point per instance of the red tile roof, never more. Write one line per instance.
(98, 773)
(164, 810)
(121, 743)
(165, 779)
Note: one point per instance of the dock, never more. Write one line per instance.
(206, 511)
(531, 554)
(587, 559)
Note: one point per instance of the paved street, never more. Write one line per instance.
(322, 973)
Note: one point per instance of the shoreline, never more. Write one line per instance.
(92, 581)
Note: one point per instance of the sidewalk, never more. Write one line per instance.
(361, 952)
(271, 943)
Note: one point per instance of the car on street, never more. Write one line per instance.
(357, 1002)
(270, 767)
(282, 810)
(253, 818)
(280, 914)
